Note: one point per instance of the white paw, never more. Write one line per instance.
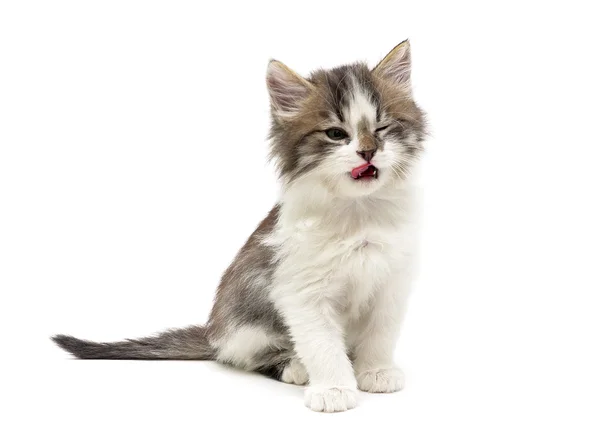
(330, 399)
(295, 373)
(381, 380)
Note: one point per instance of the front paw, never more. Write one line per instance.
(330, 399)
(381, 380)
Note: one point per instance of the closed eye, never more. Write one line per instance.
(382, 128)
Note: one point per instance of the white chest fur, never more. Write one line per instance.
(342, 252)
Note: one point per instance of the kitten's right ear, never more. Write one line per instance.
(287, 89)
(396, 66)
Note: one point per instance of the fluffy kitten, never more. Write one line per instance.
(317, 294)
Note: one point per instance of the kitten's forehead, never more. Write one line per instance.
(350, 93)
(360, 109)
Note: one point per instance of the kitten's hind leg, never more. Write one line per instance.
(283, 366)
(254, 348)
(295, 373)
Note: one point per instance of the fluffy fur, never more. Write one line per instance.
(318, 292)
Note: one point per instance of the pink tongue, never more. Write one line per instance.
(359, 170)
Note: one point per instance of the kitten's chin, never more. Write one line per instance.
(351, 187)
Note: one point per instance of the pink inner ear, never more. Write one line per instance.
(396, 66)
(287, 90)
(285, 95)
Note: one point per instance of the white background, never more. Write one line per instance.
(132, 168)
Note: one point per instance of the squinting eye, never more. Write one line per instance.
(336, 134)
(382, 128)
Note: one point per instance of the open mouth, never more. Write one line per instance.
(366, 171)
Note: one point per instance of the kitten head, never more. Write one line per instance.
(352, 128)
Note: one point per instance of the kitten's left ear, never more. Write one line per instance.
(287, 89)
(396, 66)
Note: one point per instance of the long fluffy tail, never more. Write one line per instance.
(175, 344)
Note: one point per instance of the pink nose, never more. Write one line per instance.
(367, 155)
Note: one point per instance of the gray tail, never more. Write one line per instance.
(175, 344)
